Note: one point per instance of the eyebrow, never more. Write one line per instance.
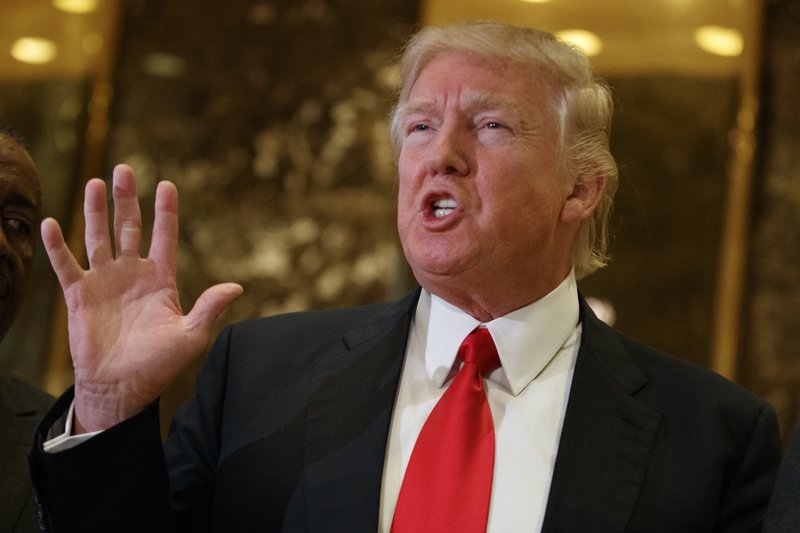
(18, 198)
(473, 101)
(479, 100)
(416, 106)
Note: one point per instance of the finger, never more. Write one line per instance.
(211, 304)
(164, 244)
(63, 262)
(127, 215)
(95, 211)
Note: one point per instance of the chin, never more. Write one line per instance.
(436, 272)
(437, 254)
(435, 263)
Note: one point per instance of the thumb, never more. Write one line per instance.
(211, 304)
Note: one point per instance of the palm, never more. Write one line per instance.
(121, 320)
(128, 335)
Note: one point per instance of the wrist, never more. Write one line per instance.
(99, 407)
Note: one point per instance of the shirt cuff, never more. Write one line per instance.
(66, 440)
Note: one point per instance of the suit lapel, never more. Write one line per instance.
(348, 422)
(607, 438)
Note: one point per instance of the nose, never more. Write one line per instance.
(447, 155)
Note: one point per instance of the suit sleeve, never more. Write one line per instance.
(116, 481)
(752, 479)
(124, 480)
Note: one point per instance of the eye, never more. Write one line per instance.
(419, 127)
(18, 225)
(494, 125)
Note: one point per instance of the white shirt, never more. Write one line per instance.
(538, 345)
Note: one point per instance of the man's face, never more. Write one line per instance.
(480, 196)
(19, 225)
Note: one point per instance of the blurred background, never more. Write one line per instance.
(271, 117)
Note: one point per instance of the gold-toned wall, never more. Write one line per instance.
(271, 118)
(770, 326)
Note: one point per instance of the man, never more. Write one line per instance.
(331, 421)
(21, 405)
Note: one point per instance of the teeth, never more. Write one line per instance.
(443, 207)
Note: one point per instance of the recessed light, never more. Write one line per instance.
(588, 42)
(76, 6)
(34, 50)
(719, 40)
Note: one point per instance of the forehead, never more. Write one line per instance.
(17, 173)
(479, 81)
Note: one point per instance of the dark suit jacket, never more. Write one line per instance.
(21, 408)
(288, 429)
(783, 515)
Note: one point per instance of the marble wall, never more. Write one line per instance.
(771, 326)
(271, 118)
(670, 140)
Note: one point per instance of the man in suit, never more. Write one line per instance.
(318, 421)
(21, 405)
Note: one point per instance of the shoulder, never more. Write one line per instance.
(702, 416)
(675, 380)
(292, 340)
(670, 384)
(328, 322)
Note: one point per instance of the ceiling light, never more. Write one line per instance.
(588, 42)
(76, 6)
(717, 40)
(34, 50)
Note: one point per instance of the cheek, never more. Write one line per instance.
(405, 204)
(519, 210)
(407, 186)
(24, 256)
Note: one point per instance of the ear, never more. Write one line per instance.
(582, 199)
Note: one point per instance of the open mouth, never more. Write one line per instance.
(443, 207)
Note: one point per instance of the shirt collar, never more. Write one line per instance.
(527, 339)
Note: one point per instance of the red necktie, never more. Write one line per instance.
(448, 482)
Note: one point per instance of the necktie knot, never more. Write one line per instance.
(479, 348)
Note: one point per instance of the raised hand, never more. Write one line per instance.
(128, 336)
